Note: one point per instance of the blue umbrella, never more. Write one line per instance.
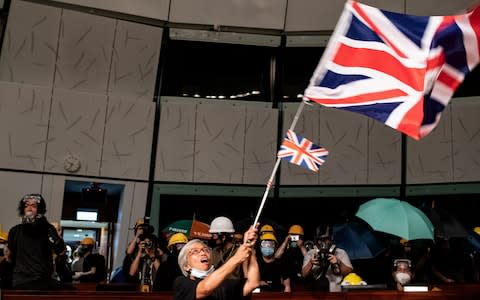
(357, 239)
(473, 239)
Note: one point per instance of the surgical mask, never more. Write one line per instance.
(293, 244)
(200, 273)
(267, 251)
(403, 278)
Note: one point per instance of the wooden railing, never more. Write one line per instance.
(91, 293)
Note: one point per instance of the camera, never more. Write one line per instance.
(294, 238)
(149, 244)
(323, 252)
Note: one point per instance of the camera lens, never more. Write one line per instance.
(149, 244)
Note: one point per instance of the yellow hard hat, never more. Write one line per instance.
(267, 228)
(268, 236)
(4, 236)
(296, 229)
(177, 238)
(353, 279)
(88, 241)
(139, 222)
(404, 242)
(477, 229)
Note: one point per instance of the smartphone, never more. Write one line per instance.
(294, 238)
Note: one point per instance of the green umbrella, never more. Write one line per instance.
(182, 226)
(396, 217)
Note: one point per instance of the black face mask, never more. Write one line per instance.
(82, 250)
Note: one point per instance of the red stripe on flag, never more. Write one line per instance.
(362, 98)
(381, 61)
(474, 19)
(412, 120)
(448, 80)
(301, 151)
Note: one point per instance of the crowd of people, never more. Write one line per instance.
(228, 265)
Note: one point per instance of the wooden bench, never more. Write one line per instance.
(446, 292)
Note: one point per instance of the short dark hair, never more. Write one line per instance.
(41, 205)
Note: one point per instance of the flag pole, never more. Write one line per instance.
(275, 168)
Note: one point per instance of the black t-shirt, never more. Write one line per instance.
(230, 289)
(94, 260)
(273, 273)
(166, 274)
(31, 251)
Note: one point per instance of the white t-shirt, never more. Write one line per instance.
(334, 280)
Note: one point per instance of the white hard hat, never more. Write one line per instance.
(221, 224)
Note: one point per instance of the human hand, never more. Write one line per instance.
(243, 252)
(77, 275)
(250, 236)
(332, 259)
(300, 242)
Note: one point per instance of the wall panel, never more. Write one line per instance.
(267, 14)
(384, 154)
(77, 129)
(176, 142)
(127, 144)
(84, 52)
(466, 139)
(219, 142)
(24, 117)
(430, 159)
(30, 43)
(133, 71)
(344, 134)
(260, 144)
(437, 7)
(155, 9)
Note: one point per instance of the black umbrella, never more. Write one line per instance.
(358, 240)
(446, 224)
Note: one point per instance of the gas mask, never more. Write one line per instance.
(293, 244)
(29, 218)
(403, 278)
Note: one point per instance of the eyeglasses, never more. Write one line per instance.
(197, 251)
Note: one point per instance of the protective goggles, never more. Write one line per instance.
(31, 197)
(267, 243)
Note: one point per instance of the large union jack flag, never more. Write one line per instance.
(399, 69)
(300, 151)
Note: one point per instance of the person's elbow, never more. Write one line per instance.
(204, 289)
(250, 285)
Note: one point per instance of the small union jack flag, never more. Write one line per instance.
(300, 151)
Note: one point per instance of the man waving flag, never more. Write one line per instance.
(399, 69)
